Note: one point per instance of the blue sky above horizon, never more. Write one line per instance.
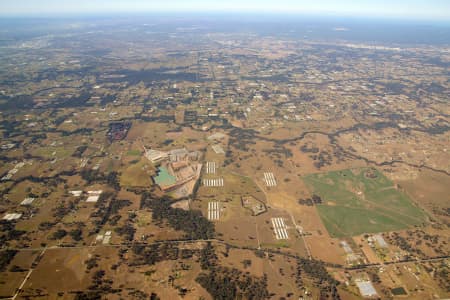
(438, 10)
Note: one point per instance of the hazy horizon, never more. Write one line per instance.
(415, 10)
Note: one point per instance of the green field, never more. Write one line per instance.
(354, 203)
(134, 152)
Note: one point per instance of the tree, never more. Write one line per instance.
(59, 234)
(76, 234)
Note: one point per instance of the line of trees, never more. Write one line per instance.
(315, 270)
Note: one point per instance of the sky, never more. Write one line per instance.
(398, 9)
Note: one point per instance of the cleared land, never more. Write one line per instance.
(362, 201)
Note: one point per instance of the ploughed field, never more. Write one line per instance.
(358, 201)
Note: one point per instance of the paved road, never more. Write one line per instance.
(62, 247)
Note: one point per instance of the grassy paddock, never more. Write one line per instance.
(362, 201)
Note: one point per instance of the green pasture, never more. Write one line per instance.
(354, 202)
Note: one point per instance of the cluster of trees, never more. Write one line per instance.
(88, 295)
(151, 254)
(6, 257)
(112, 179)
(238, 114)
(52, 181)
(431, 240)
(418, 237)
(167, 142)
(58, 234)
(99, 282)
(314, 200)
(8, 232)
(374, 277)
(76, 234)
(91, 262)
(108, 211)
(192, 222)
(11, 128)
(18, 102)
(140, 295)
(127, 231)
(316, 270)
(95, 176)
(228, 283)
(322, 159)
(241, 138)
(403, 244)
(76, 101)
(118, 204)
(100, 286)
(62, 210)
(16, 268)
(79, 131)
(246, 263)
(46, 225)
(279, 148)
(278, 151)
(277, 154)
(307, 149)
(208, 257)
(159, 118)
(306, 96)
(218, 286)
(442, 273)
(220, 282)
(228, 158)
(103, 212)
(91, 176)
(107, 99)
